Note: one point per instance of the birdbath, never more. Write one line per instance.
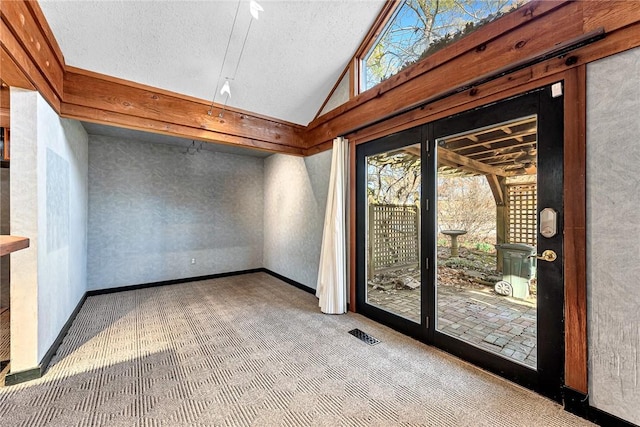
(454, 239)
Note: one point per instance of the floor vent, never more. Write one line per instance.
(363, 336)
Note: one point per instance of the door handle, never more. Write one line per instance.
(547, 255)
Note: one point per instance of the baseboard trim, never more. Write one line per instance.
(607, 420)
(44, 363)
(13, 378)
(171, 282)
(290, 281)
(578, 403)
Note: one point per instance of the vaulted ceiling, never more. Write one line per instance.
(294, 53)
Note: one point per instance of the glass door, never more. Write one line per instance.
(389, 221)
(459, 236)
(496, 169)
(486, 219)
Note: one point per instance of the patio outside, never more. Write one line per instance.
(468, 306)
(486, 223)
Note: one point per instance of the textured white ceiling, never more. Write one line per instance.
(293, 56)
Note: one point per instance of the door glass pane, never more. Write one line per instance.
(486, 220)
(393, 231)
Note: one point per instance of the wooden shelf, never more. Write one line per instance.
(10, 244)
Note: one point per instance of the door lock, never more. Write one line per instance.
(547, 255)
(548, 222)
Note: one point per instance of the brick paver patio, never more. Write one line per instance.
(503, 325)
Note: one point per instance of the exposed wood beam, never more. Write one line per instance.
(32, 59)
(23, 62)
(465, 163)
(497, 185)
(479, 54)
(506, 129)
(536, 26)
(524, 133)
(489, 152)
(167, 128)
(11, 74)
(4, 106)
(47, 33)
(24, 24)
(514, 38)
(26, 40)
(95, 97)
(575, 214)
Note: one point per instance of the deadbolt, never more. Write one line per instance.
(547, 255)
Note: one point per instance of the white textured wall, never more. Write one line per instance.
(613, 234)
(48, 205)
(295, 197)
(4, 229)
(339, 96)
(152, 209)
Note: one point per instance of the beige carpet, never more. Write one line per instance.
(252, 350)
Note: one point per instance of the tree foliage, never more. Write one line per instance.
(466, 203)
(394, 179)
(421, 27)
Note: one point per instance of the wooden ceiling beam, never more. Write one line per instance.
(490, 152)
(11, 74)
(127, 121)
(524, 133)
(4, 105)
(473, 136)
(29, 55)
(466, 163)
(522, 34)
(497, 185)
(31, 35)
(14, 52)
(411, 98)
(535, 28)
(31, 59)
(85, 91)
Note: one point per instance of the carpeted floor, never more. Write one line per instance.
(252, 350)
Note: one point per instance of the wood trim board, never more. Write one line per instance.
(9, 244)
(575, 212)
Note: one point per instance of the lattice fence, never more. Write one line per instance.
(393, 238)
(522, 204)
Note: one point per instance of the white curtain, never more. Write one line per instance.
(332, 275)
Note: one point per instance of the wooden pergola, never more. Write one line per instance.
(506, 154)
